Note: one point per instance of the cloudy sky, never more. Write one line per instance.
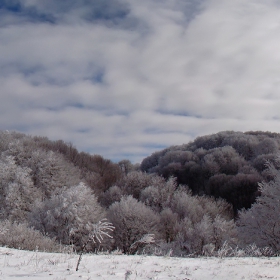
(124, 78)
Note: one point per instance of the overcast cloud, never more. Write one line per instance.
(124, 78)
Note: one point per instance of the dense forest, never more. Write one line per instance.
(193, 199)
(228, 164)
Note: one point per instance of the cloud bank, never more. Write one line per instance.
(124, 78)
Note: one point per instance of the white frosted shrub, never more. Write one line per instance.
(20, 236)
(223, 231)
(69, 215)
(203, 223)
(204, 234)
(132, 220)
(193, 237)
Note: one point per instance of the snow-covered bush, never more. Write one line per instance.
(132, 220)
(69, 216)
(197, 238)
(201, 223)
(20, 236)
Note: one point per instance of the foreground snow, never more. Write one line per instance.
(34, 265)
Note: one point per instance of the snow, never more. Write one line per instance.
(53, 266)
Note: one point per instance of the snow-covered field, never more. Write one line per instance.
(16, 264)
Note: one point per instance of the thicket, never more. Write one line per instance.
(185, 199)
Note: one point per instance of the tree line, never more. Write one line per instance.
(192, 198)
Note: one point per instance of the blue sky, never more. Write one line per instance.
(124, 78)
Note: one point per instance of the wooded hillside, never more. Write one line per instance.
(227, 164)
(186, 199)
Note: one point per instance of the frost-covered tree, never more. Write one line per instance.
(193, 238)
(267, 146)
(6, 138)
(169, 225)
(136, 181)
(195, 207)
(17, 191)
(113, 194)
(126, 166)
(261, 223)
(69, 215)
(159, 195)
(132, 220)
(102, 173)
(202, 222)
(51, 171)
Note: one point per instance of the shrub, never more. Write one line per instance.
(132, 220)
(20, 236)
(69, 216)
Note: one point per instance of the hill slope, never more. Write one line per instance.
(227, 164)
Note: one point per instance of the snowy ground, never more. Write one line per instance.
(33, 265)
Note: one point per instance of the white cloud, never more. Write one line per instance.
(161, 74)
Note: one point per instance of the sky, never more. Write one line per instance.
(125, 78)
